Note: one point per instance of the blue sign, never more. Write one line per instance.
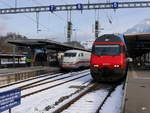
(79, 6)
(10, 99)
(115, 5)
(52, 8)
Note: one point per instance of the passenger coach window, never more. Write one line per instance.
(81, 54)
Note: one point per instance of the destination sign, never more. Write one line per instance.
(115, 5)
(52, 8)
(79, 6)
(10, 99)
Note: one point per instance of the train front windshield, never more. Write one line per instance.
(107, 49)
(70, 54)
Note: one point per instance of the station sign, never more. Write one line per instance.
(10, 99)
(52, 8)
(115, 5)
(79, 6)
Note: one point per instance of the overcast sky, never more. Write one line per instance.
(53, 26)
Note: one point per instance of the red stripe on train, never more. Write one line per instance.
(80, 62)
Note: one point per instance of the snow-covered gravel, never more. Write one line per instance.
(37, 102)
(24, 92)
(90, 102)
(87, 104)
(25, 83)
(34, 80)
(114, 102)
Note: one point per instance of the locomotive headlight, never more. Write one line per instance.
(116, 65)
(95, 65)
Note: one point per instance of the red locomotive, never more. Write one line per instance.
(108, 59)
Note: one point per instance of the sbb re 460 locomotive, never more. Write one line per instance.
(108, 59)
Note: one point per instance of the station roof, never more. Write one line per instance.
(28, 42)
(38, 43)
(137, 43)
(60, 46)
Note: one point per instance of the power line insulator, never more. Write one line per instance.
(96, 28)
(69, 31)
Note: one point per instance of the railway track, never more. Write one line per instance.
(35, 84)
(53, 78)
(55, 85)
(29, 79)
(75, 79)
(90, 88)
(37, 81)
(49, 80)
(76, 90)
(105, 99)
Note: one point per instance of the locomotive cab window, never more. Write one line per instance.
(70, 55)
(107, 49)
(123, 49)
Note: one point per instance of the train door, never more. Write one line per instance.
(80, 62)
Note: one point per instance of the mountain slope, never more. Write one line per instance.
(143, 26)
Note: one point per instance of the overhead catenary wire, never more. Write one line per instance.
(37, 19)
(53, 13)
(16, 3)
(58, 16)
(69, 14)
(36, 2)
(109, 18)
(30, 18)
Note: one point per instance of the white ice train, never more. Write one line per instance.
(74, 59)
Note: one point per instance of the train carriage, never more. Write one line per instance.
(74, 59)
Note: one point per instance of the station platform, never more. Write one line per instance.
(10, 75)
(137, 98)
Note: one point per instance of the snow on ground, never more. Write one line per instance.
(113, 104)
(37, 102)
(88, 103)
(50, 84)
(25, 83)
(31, 81)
